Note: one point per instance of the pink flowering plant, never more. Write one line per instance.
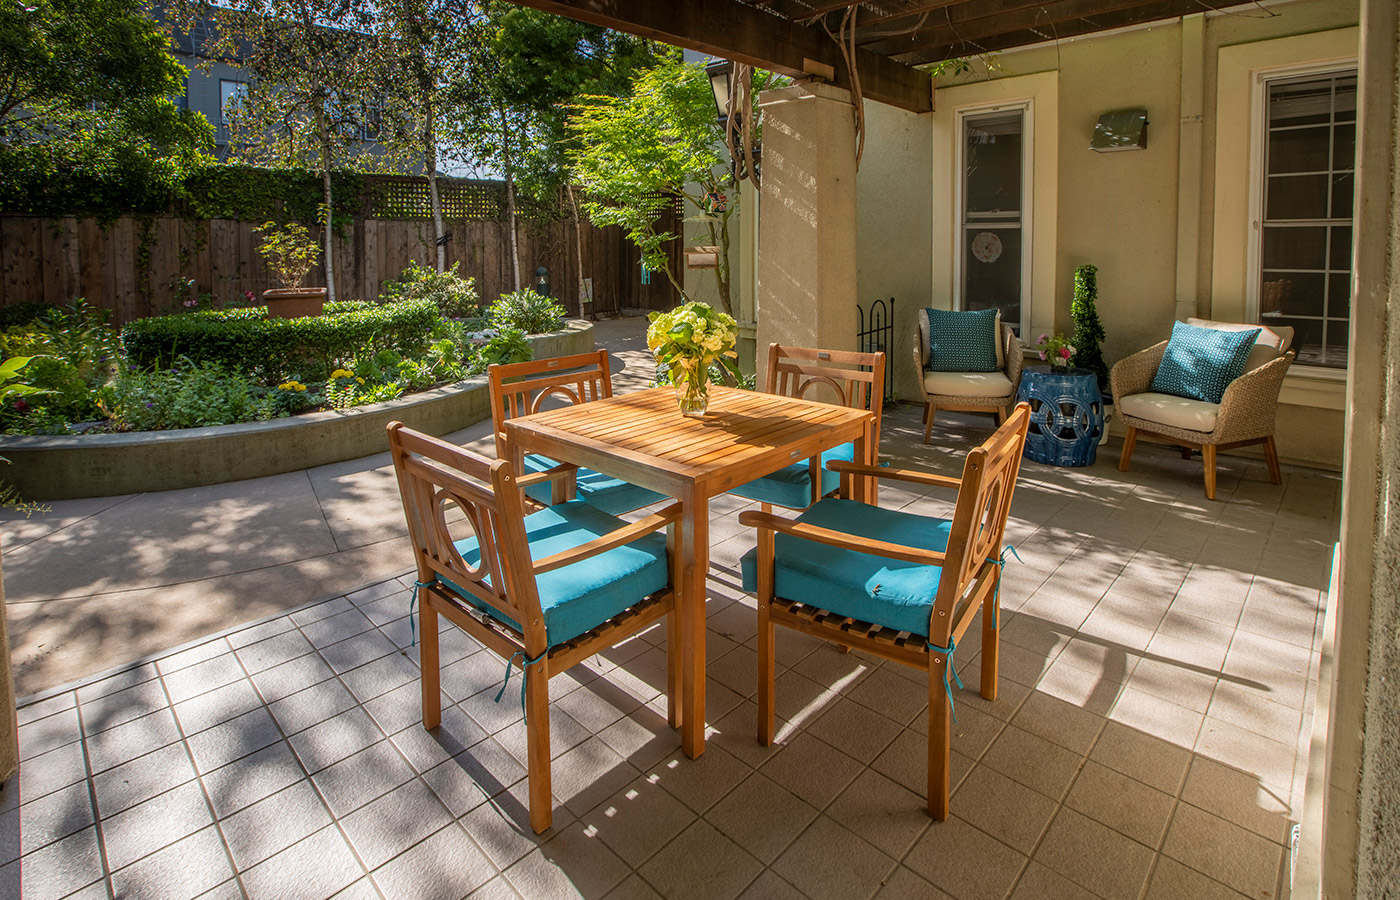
(1056, 350)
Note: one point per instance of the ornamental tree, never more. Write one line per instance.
(88, 84)
(1088, 330)
(633, 155)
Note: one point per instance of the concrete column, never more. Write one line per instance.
(807, 233)
(1361, 821)
(1188, 182)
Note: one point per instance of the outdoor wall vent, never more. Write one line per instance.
(702, 257)
(1121, 129)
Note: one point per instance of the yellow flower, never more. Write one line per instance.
(291, 386)
(359, 379)
(342, 373)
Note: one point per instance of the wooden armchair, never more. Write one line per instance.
(544, 591)
(518, 389)
(1244, 415)
(992, 392)
(843, 377)
(901, 586)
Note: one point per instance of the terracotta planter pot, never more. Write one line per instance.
(293, 303)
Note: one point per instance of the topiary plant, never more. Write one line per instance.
(1088, 330)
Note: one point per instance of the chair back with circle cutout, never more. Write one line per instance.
(436, 478)
(519, 389)
(979, 518)
(841, 377)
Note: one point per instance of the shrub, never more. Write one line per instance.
(74, 353)
(289, 250)
(23, 313)
(187, 395)
(455, 296)
(509, 346)
(527, 311)
(243, 340)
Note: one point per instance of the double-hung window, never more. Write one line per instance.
(1304, 209)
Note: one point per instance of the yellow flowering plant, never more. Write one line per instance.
(687, 341)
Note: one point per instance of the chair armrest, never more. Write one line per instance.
(550, 474)
(1247, 409)
(1134, 374)
(853, 468)
(918, 361)
(1015, 359)
(611, 540)
(770, 522)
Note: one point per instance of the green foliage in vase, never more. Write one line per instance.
(1088, 330)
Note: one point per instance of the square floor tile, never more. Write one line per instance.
(159, 822)
(639, 820)
(40, 822)
(385, 827)
(761, 816)
(1223, 851)
(1095, 856)
(573, 863)
(1008, 811)
(272, 825)
(184, 870)
(964, 862)
(56, 871)
(1127, 806)
(141, 779)
(252, 778)
(317, 866)
(447, 865)
(234, 739)
(701, 864)
(828, 862)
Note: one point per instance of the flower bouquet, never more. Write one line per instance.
(687, 340)
(1057, 351)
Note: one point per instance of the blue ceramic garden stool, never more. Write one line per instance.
(1066, 415)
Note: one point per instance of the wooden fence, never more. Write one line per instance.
(137, 269)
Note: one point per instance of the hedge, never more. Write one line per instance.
(274, 349)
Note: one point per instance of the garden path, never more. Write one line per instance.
(97, 583)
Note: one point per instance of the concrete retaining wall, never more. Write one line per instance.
(103, 465)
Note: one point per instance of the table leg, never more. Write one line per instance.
(695, 565)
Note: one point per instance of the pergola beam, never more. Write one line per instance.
(729, 29)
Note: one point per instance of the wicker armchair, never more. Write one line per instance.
(993, 392)
(1244, 416)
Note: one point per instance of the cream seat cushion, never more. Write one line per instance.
(968, 384)
(1176, 412)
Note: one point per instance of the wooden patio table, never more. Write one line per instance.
(642, 437)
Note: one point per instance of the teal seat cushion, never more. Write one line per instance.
(1200, 363)
(962, 340)
(580, 597)
(887, 592)
(611, 495)
(791, 487)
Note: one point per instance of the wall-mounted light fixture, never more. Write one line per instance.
(1120, 129)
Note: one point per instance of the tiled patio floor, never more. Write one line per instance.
(1159, 656)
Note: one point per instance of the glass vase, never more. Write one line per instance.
(692, 382)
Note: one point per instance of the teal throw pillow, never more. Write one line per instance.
(962, 341)
(1200, 363)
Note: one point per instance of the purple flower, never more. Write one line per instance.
(149, 404)
(1042, 354)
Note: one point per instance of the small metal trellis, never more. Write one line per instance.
(874, 332)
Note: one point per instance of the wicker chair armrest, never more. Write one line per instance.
(1250, 402)
(918, 361)
(1015, 358)
(1133, 374)
(613, 539)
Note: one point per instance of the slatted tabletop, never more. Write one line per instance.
(642, 437)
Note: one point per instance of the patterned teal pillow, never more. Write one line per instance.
(962, 341)
(1200, 363)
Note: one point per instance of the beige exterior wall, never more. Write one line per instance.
(893, 226)
(1148, 219)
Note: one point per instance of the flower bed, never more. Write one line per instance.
(100, 465)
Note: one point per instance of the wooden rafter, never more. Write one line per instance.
(746, 33)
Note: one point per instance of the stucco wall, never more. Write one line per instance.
(893, 225)
(1147, 218)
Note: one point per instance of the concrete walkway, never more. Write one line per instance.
(97, 583)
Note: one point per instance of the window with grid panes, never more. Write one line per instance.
(992, 215)
(1309, 175)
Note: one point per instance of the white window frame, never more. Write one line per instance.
(1258, 146)
(241, 87)
(1027, 108)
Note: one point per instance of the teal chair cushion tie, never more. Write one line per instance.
(611, 495)
(579, 597)
(874, 589)
(791, 487)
